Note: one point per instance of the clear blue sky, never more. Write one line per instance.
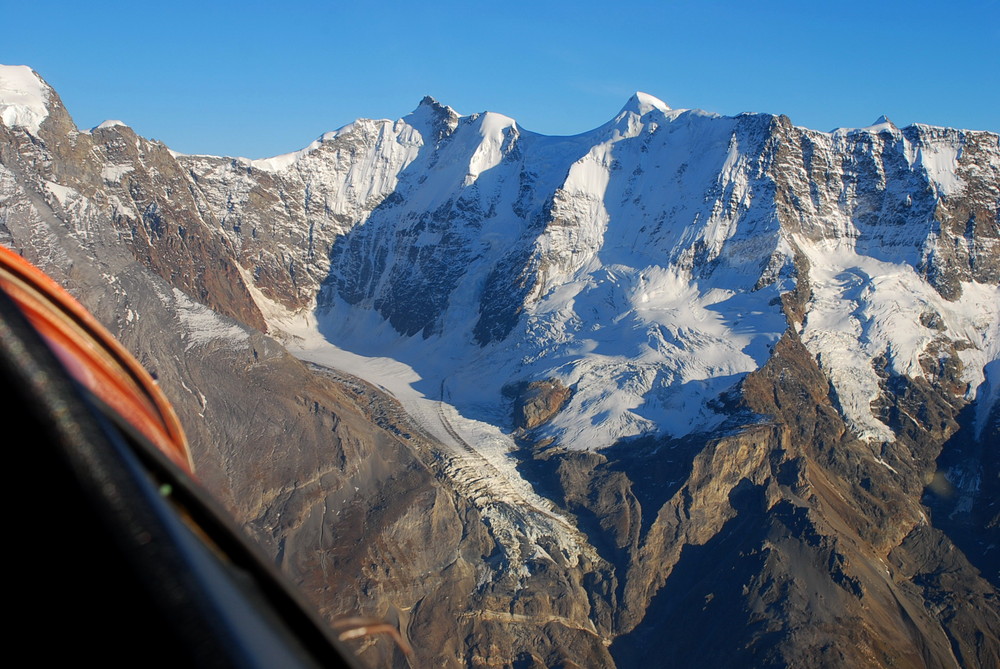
(262, 78)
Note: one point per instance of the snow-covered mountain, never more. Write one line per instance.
(682, 384)
(639, 264)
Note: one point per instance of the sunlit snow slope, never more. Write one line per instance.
(641, 264)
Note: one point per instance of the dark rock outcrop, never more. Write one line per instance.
(537, 402)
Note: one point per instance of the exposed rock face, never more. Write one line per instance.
(114, 178)
(537, 402)
(757, 366)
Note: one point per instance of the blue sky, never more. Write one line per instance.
(262, 78)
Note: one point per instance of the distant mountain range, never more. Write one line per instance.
(685, 389)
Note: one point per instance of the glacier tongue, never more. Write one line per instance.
(475, 453)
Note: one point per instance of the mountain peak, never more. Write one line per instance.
(432, 118)
(24, 97)
(428, 101)
(428, 105)
(643, 103)
(110, 123)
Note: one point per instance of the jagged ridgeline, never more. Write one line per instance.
(684, 390)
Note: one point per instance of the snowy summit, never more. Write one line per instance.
(23, 98)
(110, 123)
(642, 103)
